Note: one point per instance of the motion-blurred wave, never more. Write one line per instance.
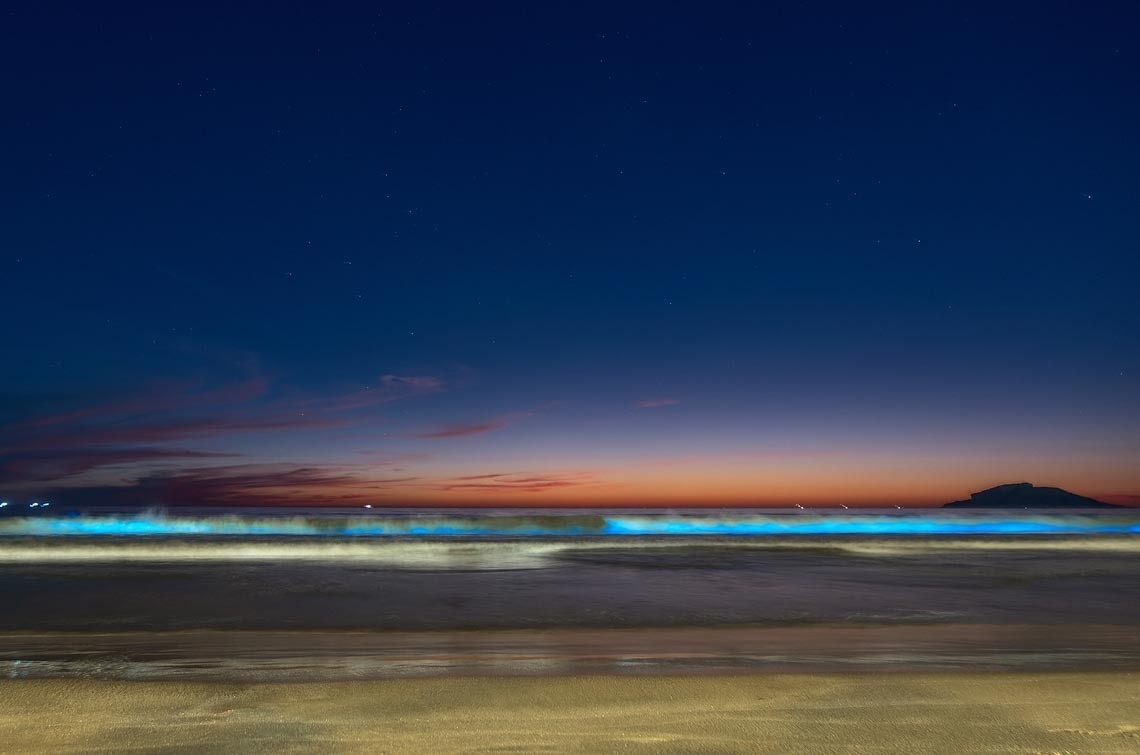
(153, 524)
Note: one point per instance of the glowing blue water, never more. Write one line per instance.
(571, 525)
(919, 525)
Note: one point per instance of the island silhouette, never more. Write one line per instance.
(1024, 495)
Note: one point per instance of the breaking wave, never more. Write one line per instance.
(157, 524)
(489, 540)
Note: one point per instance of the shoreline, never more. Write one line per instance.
(931, 712)
(253, 656)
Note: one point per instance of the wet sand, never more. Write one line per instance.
(903, 712)
(312, 656)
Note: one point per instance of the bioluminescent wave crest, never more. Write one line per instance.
(867, 525)
(569, 525)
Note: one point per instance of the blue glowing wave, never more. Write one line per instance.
(569, 525)
(918, 525)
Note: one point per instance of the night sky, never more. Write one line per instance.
(549, 254)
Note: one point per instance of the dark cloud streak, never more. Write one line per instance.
(134, 430)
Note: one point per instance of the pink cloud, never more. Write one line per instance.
(158, 398)
(655, 403)
(462, 430)
(47, 465)
(514, 483)
(133, 428)
(1124, 499)
(240, 485)
(127, 432)
(387, 389)
(411, 383)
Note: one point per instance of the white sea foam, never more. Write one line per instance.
(503, 554)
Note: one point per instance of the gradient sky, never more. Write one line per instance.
(548, 254)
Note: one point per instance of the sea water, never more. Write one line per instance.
(273, 593)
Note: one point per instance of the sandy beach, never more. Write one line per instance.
(1031, 713)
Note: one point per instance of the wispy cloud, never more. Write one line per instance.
(240, 485)
(129, 431)
(388, 388)
(139, 428)
(410, 384)
(186, 395)
(514, 482)
(656, 403)
(54, 465)
(1124, 499)
(461, 430)
(464, 429)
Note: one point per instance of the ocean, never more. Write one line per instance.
(327, 594)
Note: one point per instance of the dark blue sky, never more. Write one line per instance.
(560, 254)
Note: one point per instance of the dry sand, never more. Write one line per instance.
(778, 713)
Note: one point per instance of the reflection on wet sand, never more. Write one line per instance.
(309, 656)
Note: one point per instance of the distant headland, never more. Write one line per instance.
(1023, 495)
